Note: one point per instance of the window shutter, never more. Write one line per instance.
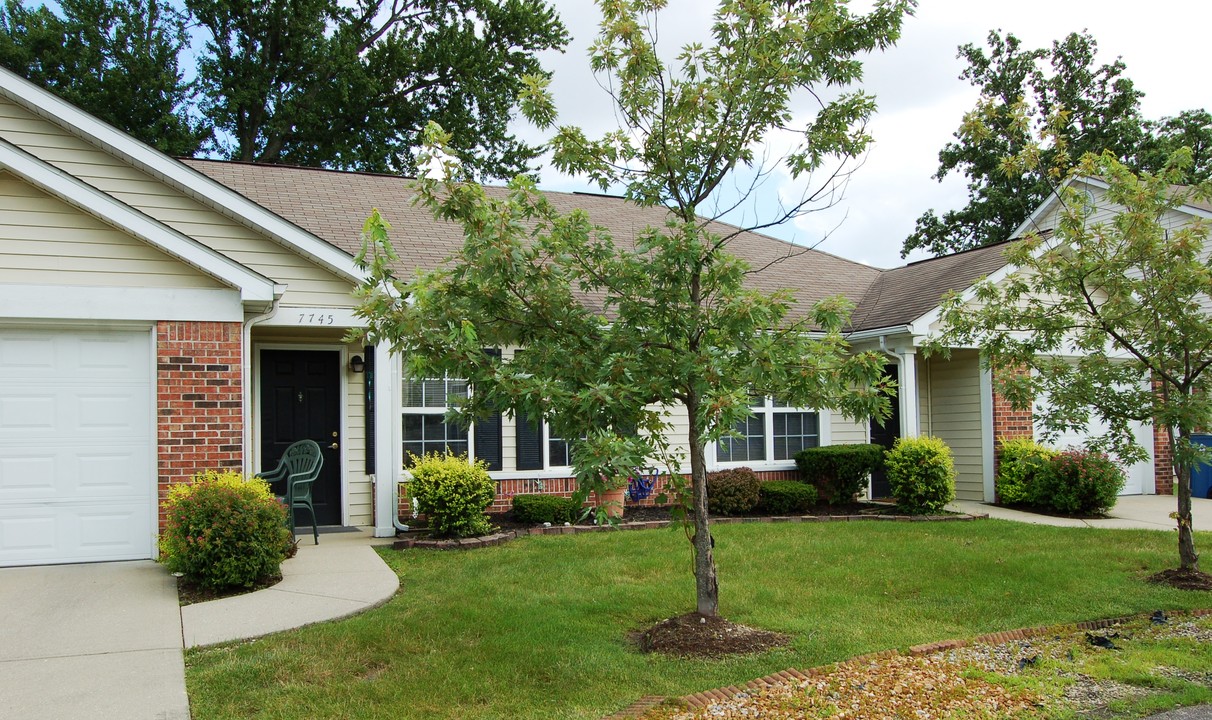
(530, 443)
(368, 387)
(488, 435)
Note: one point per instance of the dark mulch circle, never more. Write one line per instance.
(1183, 579)
(709, 636)
(189, 592)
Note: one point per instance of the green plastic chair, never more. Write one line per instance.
(299, 467)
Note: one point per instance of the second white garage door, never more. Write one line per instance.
(77, 450)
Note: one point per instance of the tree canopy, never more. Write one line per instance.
(325, 83)
(1107, 316)
(1099, 107)
(117, 60)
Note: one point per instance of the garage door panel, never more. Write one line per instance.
(77, 452)
(62, 473)
(45, 534)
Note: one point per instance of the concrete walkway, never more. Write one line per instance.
(1132, 512)
(105, 641)
(341, 576)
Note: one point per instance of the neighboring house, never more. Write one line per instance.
(159, 317)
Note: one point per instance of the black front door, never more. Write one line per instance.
(886, 434)
(301, 399)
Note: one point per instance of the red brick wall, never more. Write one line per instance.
(565, 487)
(199, 399)
(1163, 462)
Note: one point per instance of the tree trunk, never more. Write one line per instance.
(706, 584)
(1187, 559)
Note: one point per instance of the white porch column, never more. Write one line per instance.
(907, 394)
(386, 431)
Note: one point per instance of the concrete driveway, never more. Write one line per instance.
(99, 641)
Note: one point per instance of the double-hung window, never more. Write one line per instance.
(426, 429)
(773, 433)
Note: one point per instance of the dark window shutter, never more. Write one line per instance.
(530, 443)
(368, 386)
(488, 435)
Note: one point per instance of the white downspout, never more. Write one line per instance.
(246, 377)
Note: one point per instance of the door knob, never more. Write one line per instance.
(334, 446)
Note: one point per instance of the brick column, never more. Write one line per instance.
(199, 400)
(1163, 462)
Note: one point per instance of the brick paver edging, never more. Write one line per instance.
(497, 539)
(703, 699)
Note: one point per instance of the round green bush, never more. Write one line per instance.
(733, 492)
(222, 530)
(1020, 461)
(1079, 482)
(787, 497)
(452, 493)
(921, 474)
(537, 509)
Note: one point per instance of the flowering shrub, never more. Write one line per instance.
(921, 474)
(1079, 482)
(732, 492)
(1021, 460)
(222, 530)
(453, 493)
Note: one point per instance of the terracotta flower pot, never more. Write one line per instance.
(611, 501)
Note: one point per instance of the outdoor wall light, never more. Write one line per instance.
(357, 364)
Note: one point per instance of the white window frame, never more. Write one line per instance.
(766, 411)
(406, 409)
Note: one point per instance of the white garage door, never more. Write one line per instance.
(77, 457)
(1139, 476)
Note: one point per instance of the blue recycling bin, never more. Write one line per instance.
(1201, 476)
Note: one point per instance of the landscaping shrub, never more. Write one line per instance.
(1079, 482)
(1019, 463)
(453, 493)
(733, 492)
(537, 509)
(839, 472)
(787, 497)
(921, 474)
(222, 530)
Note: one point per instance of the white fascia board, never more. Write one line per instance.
(209, 192)
(253, 286)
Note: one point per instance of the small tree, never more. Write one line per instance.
(617, 330)
(1109, 319)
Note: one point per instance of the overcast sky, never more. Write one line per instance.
(1164, 44)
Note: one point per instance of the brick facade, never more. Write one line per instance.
(199, 399)
(565, 487)
(1163, 462)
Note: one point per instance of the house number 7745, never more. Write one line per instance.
(316, 319)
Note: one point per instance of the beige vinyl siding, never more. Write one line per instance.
(308, 284)
(359, 490)
(951, 397)
(45, 241)
(844, 431)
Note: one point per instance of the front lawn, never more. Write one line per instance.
(537, 628)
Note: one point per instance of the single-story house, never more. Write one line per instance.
(162, 316)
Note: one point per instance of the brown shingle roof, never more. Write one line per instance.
(332, 205)
(901, 295)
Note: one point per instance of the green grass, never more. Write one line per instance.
(537, 628)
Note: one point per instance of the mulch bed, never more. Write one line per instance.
(695, 635)
(1183, 579)
(189, 593)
